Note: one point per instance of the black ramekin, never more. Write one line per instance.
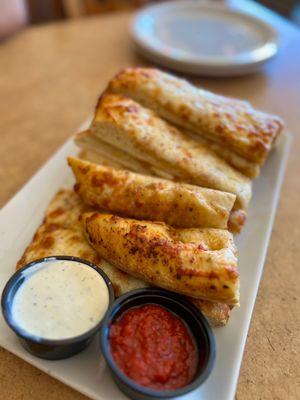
(184, 309)
(47, 348)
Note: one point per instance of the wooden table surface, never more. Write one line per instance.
(50, 78)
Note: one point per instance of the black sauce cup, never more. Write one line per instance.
(46, 348)
(188, 313)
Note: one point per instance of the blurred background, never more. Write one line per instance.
(15, 14)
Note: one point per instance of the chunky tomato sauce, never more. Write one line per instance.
(154, 348)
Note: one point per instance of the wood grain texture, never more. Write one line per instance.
(50, 78)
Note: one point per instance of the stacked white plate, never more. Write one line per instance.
(204, 38)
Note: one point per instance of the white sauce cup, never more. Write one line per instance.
(50, 349)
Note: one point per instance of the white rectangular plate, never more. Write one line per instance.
(87, 371)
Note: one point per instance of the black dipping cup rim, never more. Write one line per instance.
(6, 303)
(156, 293)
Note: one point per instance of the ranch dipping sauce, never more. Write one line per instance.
(60, 299)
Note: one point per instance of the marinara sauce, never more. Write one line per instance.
(154, 348)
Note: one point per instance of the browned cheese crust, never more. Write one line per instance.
(200, 263)
(92, 154)
(233, 123)
(127, 126)
(61, 234)
(145, 197)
